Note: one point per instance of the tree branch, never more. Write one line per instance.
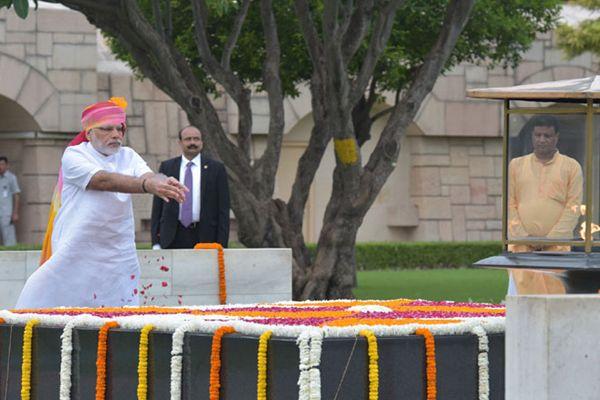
(267, 164)
(330, 19)
(230, 82)
(359, 24)
(90, 5)
(379, 38)
(311, 36)
(169, 18)
(385, 154)
(345, 16)
(234, 35)
(311, 158)
(158, 18)
(337, 82)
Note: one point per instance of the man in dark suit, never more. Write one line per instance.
(204, 215)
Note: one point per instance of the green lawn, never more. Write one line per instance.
(433, 284)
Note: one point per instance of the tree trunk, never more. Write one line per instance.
(269, 225)
(332, 274)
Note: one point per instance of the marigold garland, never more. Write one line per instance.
(101, 359)
(221, 260)
(430, 362)
(26, 362)
(2, 321)
(215, 362)
(142, 389)
(373, 363)
(261, 385)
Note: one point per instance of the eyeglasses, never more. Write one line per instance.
(107, 129)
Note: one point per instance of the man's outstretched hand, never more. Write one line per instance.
(166, 187)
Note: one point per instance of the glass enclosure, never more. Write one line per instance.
(551, 174)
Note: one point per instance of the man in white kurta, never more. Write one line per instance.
(94, 260)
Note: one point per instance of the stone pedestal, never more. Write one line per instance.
(553, 347)
(181, 277)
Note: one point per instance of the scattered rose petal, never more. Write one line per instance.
(134, 291)
(143, 292)
(152, 298)
(164, 268)
(95, 296)
(164, 284)
(132, 277)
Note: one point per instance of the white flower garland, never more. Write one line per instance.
(483, 363)
(66, 351)
(304, 379)
(177, 358)
(310, 343)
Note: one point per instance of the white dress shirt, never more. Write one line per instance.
(196, 184)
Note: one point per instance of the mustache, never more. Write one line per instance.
(117, 142)
(192, 146)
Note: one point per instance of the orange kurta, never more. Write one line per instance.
(543, 202)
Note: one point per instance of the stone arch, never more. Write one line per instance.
(15, 118)
(31, 91)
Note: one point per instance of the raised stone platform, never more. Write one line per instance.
(344, 366)
(181, 277)
(344, 349)
(552, 347)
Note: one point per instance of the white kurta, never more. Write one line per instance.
(94, 261)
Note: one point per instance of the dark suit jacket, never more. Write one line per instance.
(214, 205)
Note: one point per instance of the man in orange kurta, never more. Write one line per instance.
(544, 197)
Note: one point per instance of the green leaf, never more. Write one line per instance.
(5, 3)
(21, 8)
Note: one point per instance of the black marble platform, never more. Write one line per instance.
(401, 366)
(579, 272)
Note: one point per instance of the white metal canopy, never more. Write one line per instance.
(571, 89)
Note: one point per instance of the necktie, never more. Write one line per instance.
(186, 207)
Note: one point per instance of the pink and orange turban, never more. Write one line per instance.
(111, 112)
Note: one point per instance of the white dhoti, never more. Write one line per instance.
(94, 261)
